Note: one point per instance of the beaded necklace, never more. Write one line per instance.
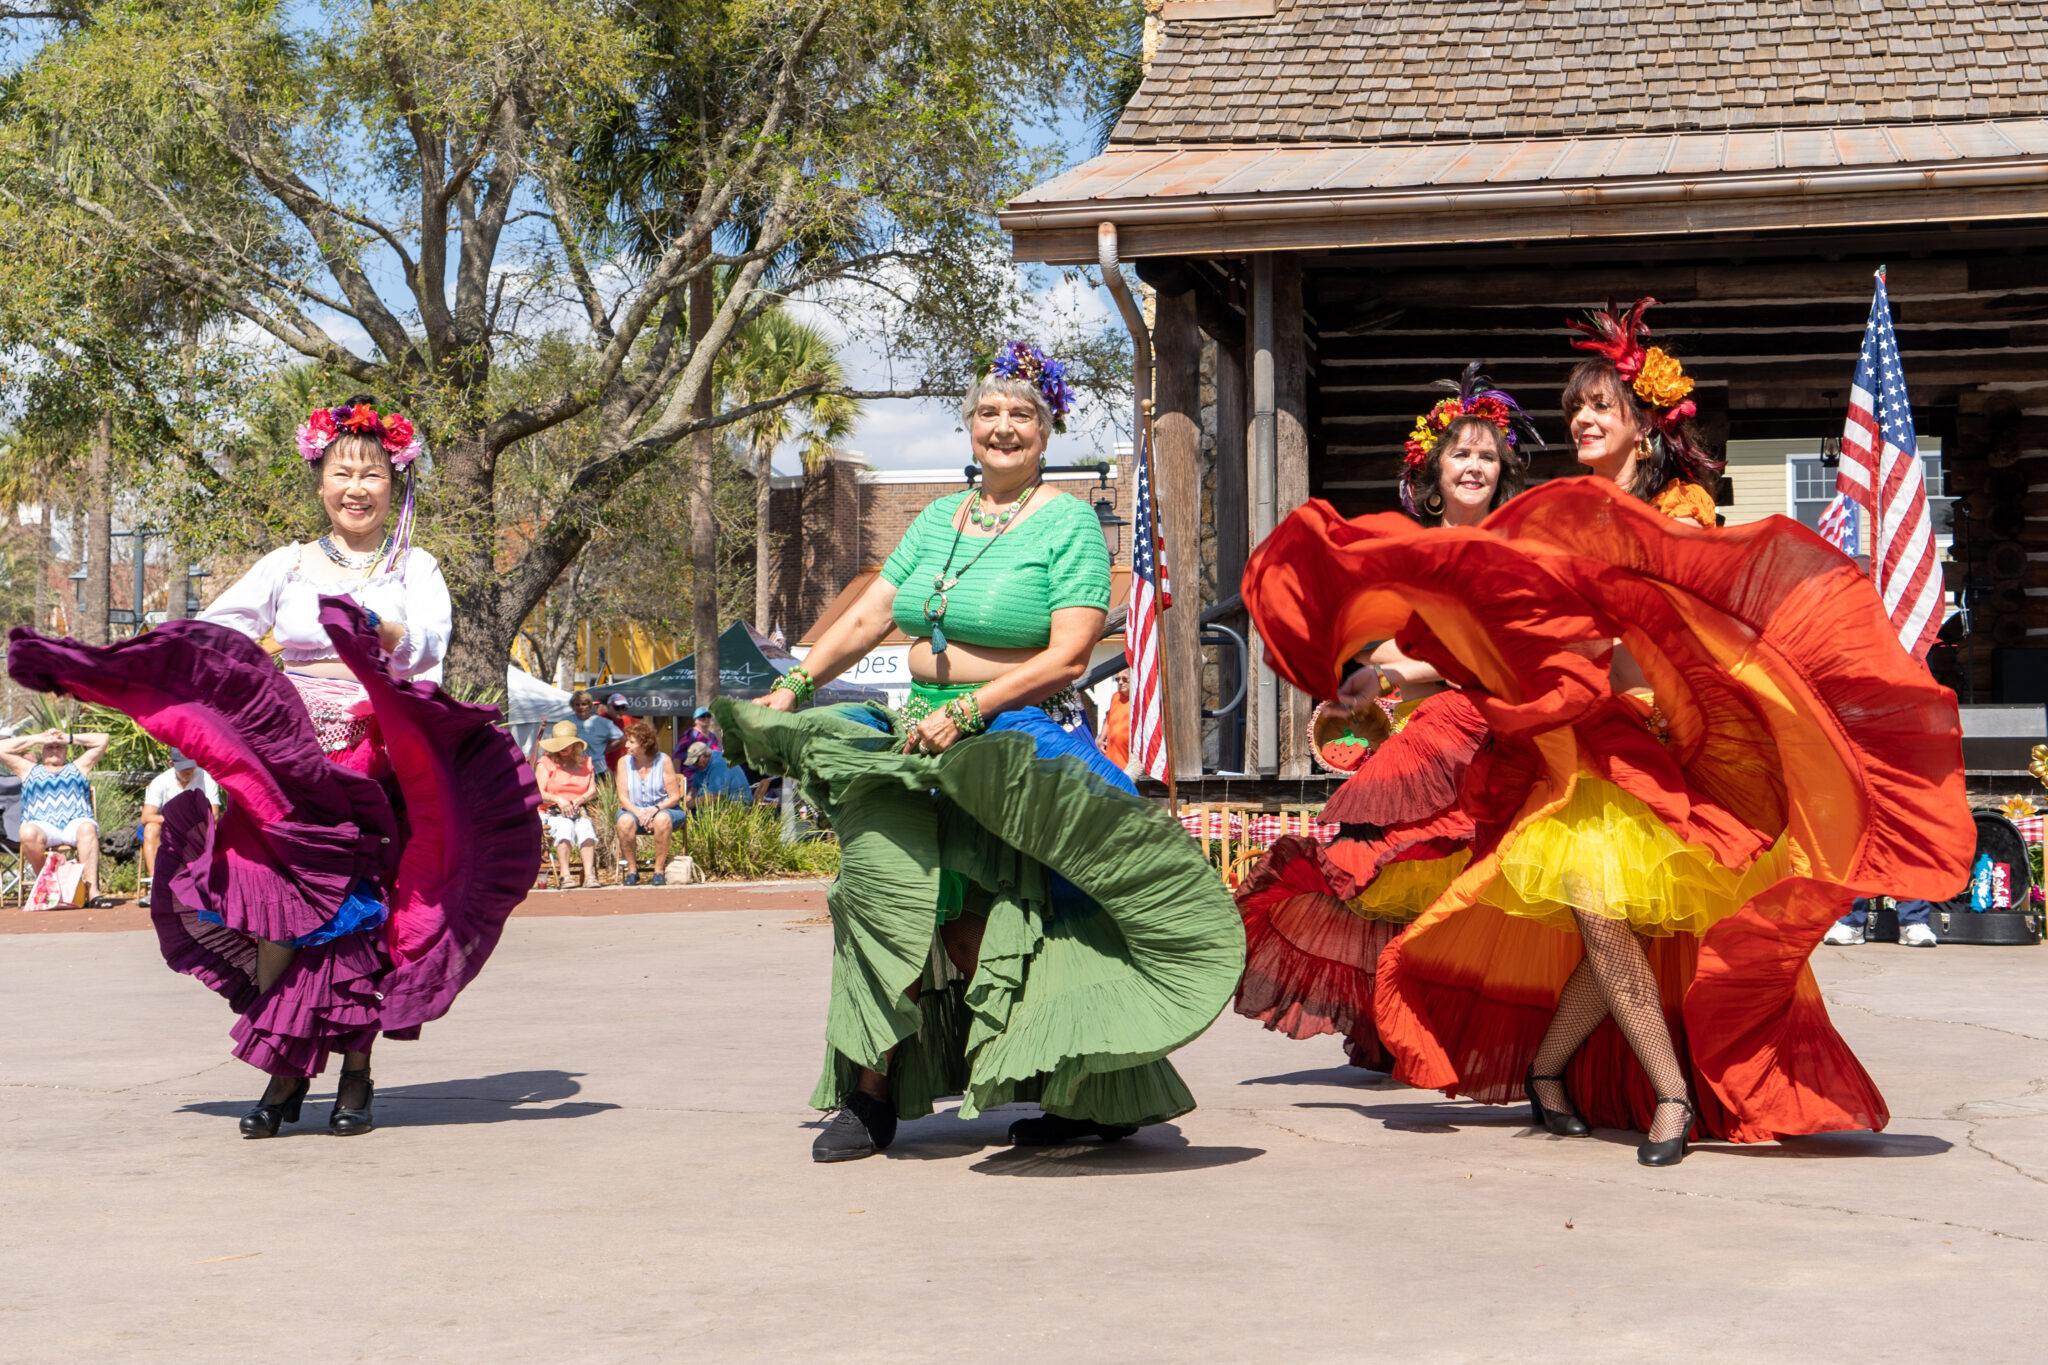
(944, 580)
(353, 561)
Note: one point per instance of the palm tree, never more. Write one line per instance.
(775, 353)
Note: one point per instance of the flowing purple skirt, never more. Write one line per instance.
(451, 847)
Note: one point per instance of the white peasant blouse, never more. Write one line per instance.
(276, 599)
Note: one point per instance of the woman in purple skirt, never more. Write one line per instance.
(377, 833)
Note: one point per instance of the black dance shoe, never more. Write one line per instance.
(349, 1122)
(1050, 1130)
(1672, 1150)
(863, 1126)
(1565, 1124)
(264, 1120)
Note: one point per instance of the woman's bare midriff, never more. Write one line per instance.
(322, 668)
(963, 663)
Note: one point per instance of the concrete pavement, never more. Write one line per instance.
(602, 1155)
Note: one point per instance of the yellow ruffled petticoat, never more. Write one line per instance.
(1403, 890)
(1606, 852)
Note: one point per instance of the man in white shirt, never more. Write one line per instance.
(163, 788)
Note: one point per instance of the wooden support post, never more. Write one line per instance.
(1177, 437)
(1264, 714)
(1233, 538)
(1290, 469)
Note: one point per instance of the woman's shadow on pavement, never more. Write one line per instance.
(1158, 1149)
(508, 1097)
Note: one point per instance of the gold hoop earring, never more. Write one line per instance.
(1433, 505)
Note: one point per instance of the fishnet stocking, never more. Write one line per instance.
(1580, 1008)
(1615, 978)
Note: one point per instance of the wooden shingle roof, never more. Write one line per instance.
(1344, 71)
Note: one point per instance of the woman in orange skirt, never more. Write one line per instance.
(1705, 742)
(1317, 916)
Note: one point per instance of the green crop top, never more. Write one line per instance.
(1053, 558)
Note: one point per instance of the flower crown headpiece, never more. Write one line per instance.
(1022, 360)
(1477, 397)
(1655, 376)
(394, 431)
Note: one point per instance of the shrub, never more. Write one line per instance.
(738, 842)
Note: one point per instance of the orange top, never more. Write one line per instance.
(1681, 499)
(562, 784)
(1116, 730)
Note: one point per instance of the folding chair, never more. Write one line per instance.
(11, 884)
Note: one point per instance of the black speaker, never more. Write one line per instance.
(2020, 675)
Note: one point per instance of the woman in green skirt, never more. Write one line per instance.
(1012, 921)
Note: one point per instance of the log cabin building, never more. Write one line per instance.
(1337, 203)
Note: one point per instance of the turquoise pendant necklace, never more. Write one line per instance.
(944, 580)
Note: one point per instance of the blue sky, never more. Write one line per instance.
(910, 434)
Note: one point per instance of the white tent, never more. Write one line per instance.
(532, 705)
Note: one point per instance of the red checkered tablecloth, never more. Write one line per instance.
(1257, 829)
(2030, 827)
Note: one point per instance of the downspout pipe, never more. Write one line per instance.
(1134, 320)
(1141, 443)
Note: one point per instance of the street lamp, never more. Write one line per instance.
(1105, 512)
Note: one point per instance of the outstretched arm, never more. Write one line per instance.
(848, 640)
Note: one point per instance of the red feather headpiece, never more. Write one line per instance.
(1617, 338)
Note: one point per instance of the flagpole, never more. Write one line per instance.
(1165, 677)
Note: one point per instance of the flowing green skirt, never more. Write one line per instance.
(1076, 1000)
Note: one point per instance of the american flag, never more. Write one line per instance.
(1841, 528)
(1151, 593)
(1880, 472)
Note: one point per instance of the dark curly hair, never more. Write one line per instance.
(1425, 481)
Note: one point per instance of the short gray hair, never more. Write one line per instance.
(1007, 388)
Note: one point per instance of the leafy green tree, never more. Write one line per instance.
(414, 194)
(776, 353)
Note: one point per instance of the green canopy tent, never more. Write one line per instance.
(745, 669)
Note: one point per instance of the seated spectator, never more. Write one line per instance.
(703, 730)
(568, 786)
(56, 801)
(710, 777)
(183, 775)
(592, 725)
(649, 791)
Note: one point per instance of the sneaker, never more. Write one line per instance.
(863, 1126)
(1842, 935)
(1917, 936)
(658, 879)
(630, 879)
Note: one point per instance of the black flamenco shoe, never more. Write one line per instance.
(265, 1119)
(1050, 1130)
(1671, 1151)
(349, 1122)
(1566, 1124)
(863, 1126)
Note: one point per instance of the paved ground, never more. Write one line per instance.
(602, 1156)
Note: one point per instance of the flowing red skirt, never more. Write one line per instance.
(1793, 713)
(1310, 957)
